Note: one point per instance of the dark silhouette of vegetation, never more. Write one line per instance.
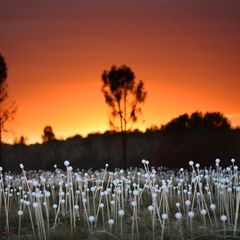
(48, 134)
(197, 120)
(22, 140)
(124, 96)
(7, 108)
(162, 147)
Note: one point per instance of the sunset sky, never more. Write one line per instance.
(186, 52)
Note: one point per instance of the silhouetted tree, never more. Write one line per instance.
(124, 96)
(216, 120)
(48, 134)
(22, 140)
(7, 108)
(197, 120)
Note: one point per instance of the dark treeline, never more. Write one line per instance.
(201, 138)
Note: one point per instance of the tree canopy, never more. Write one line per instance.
(198, 120)
(123, 95)
(48, 134)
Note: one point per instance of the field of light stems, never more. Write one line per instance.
(146, 203)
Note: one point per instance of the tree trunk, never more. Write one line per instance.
(1, 159)
(124, 145)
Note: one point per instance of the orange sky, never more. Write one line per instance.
(186, 52)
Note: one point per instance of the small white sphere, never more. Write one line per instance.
(188, 203)
(213, 206)
(38, 195)
(91, 218)
(35, 205)
(76, 207)
(47, 194)
(121, 212)
(178, 215)
(223, 218)
(217, 160)
(110, 221)
(21, 165)
(134, 203)
(197, 165)
(55, 206)
(61, 193)
(66, 163)
(101, 205)
(143, 161)
(191, 163)
(232, 160)
(191, 214)
(20, 212)
(150, 208)
(177, 204)
(203, 212)
(164, 216)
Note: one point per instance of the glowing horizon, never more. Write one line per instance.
(186, 53)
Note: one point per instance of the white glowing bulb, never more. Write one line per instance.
(150, 208)
(164, 216)
(191, 214)
(20, 212)
(134, 204)
(121, 212)
(66, 163)
(110, 221)
(217, 160)
(35, 205)
(213, 206)
(223, 218)
(178, 215)
(203, 212)
(191, 163)
(177, 204)
(54, 206)
(91, 218)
